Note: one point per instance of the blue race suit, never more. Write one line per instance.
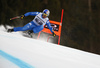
(37, 24)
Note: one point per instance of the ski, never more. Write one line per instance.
(27, 35)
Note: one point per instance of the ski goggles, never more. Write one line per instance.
(45, 14)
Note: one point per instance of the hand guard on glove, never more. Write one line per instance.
(22, 16)
(53, 34)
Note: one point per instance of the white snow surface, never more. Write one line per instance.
(41, 54)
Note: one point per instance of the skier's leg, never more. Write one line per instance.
(38, 29)
(26, 27)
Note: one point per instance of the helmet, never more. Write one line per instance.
(46, 12)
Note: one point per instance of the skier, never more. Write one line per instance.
(37, 24)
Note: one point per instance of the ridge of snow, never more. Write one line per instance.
(42, 54)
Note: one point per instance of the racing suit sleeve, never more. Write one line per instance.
(31, 14)
(49, 26)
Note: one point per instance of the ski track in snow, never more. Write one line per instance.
(40, 54)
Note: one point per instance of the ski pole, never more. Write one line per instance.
(14, 18)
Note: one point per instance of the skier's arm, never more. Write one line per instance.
(49, 26)
(31, 14)
(51, 29)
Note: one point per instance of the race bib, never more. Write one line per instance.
(38, 21)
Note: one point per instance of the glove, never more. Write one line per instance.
(22, 16)
(53, 34)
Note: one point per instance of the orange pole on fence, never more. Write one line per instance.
(60, 25)
(39, 35)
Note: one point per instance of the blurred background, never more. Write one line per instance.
(81, 21)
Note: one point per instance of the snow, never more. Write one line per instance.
(41, 54)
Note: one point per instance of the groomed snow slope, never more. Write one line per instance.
(40, 54)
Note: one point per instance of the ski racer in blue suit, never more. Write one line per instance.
(37, 24)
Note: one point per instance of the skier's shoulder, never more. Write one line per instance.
(47, 19)
(39, 13)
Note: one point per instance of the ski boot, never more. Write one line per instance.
(30, 33)
(10, 30)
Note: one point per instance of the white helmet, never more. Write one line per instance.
(46, 11)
